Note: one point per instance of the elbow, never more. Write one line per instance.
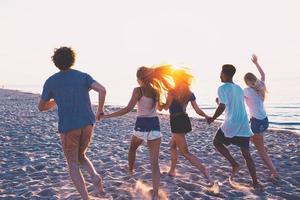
(102, 91)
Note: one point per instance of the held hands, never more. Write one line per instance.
(99, 114)
(209, 120)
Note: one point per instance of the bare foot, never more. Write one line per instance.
(130, 172)
(258, 187)
(98, 185)
(172, 173)
(213, 189)
(274, 178)
(235, 171)
(153, 196)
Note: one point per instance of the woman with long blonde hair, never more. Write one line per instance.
(154, 82)
(255, 95)
(176, 102)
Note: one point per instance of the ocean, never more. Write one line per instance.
(283, 110)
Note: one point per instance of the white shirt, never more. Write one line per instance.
(236, 121)
(255, 104)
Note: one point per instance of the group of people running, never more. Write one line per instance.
(160, 88)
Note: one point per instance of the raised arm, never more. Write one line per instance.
(134, 99)
(198, 109)
(261, 71)
(101, 97)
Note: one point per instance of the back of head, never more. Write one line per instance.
(229, 70)
(183, 80)
(253, 82)
(157, 79)
(63, 58)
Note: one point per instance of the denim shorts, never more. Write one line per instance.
(259, 125)
(146, 124)
(242, 142)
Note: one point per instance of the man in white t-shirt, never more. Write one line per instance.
(235, 128)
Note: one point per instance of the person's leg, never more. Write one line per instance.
(174, 157)
(85, 139)
(70, 144)
(251, 166)
(182, 146)
(224, 151)
(153, 146)
(134, 144)
(258, 141)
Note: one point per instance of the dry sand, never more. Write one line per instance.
(32, 164)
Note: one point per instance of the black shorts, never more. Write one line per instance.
(180, 123)
(242, 142)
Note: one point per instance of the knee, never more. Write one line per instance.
(73, 166)
(81, 158)
(155, 164)
(247, 155)
(186, 153)
(132, 148)
(173, 146)
(216, 143)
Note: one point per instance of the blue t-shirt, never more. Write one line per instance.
(177, 107)
(70, 90)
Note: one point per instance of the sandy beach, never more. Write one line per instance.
(32, 164)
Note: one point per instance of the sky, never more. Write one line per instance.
(113, 38)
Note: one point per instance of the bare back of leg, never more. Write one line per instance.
(70, 143)
(85, 140)
(154, 146)
(183, 148)
(258, 141)
(134, 144)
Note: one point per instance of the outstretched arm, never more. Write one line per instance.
(101, 97)
(218, 112)
(167, 105)
(261, 71)
(134, 99)
(198, 109)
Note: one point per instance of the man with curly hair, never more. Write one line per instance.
(69, 90)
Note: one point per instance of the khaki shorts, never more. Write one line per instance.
(76, 142)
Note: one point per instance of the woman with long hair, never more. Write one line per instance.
(255, 95)
(154, 82)
(176, 102)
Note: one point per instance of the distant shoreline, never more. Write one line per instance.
(287, 130)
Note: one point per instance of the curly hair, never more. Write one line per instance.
(63, 58)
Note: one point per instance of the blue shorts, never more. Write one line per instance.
(242, 142)
(146, 124)
(259, 125)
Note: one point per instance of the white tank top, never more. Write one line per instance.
(146, 106)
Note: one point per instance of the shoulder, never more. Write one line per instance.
(136, 90)
(223, 87)
(52, 79)
(192, 97)
(238, 87)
